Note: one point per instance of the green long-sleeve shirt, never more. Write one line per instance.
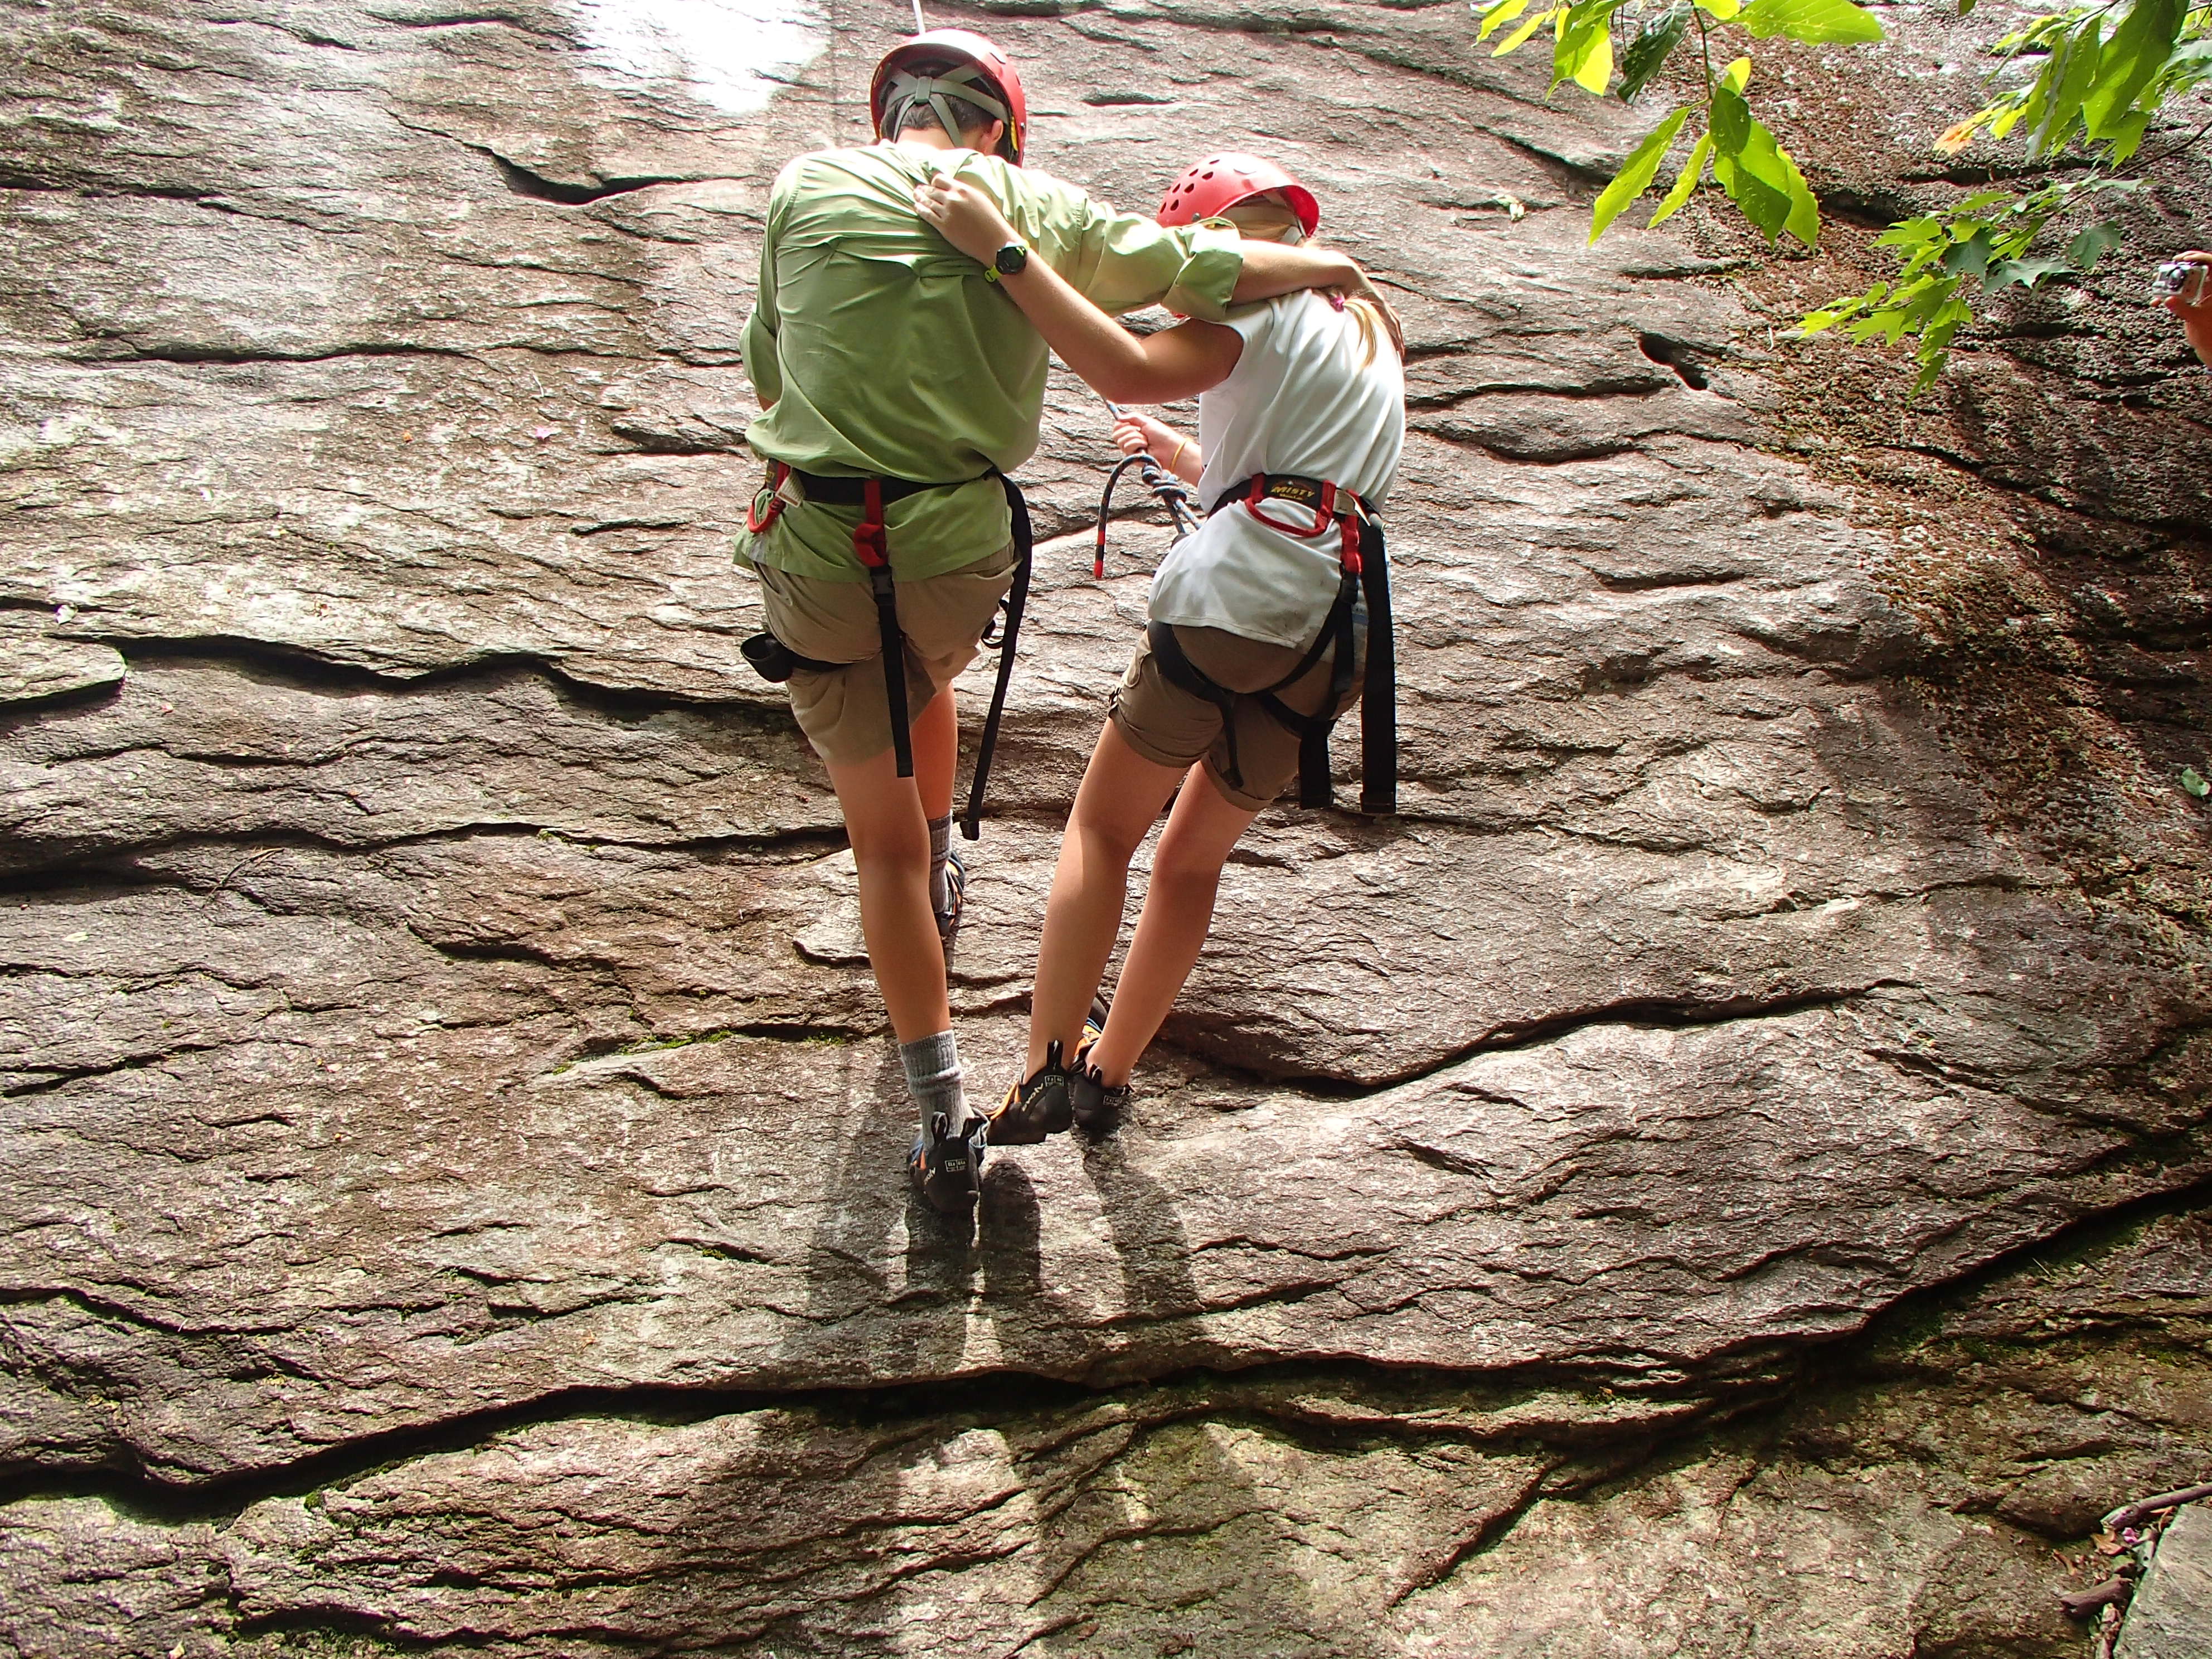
(882, 350)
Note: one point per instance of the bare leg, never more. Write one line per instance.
(937, 753)
(1120, 797)
(1178, 911)
(890, 852)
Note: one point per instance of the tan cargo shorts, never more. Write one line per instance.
(1170, 727)
(845, 714)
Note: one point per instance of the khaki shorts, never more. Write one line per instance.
(844, 714)
(1170, 727)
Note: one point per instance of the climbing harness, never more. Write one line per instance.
(1366, 568)
(775, 661)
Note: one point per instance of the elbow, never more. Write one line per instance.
(1124, 386)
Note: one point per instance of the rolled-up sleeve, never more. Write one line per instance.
(1122, 261)
(1132, 262)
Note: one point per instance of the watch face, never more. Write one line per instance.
(1013, 258)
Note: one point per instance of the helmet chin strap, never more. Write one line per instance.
(938, 91)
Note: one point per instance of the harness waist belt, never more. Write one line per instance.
(1319, 493)
(831, 491)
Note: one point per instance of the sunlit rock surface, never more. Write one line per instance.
(451, 1147)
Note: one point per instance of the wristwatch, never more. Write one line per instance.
(1010, 260)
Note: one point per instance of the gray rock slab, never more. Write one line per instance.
(2171, 1615)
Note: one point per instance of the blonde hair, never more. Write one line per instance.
(1269, 217)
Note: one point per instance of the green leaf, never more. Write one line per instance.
(1594, 67)
(1686, 180)
(2091, 246)
(2063, 84)
(2002, 273)
(1767, 208)
(1837, 22)
(2126, 133)
(2195, 785)
(1498, 16)
(2137, 52)
(1972, 256)
(1731, 121)
(1978, 201)
(1966, 7)
(1737, 75)
(1910, 233)
(1719, 10)
(1650, 49)
(1636, 173)
(1520, 37)
(1764, 160)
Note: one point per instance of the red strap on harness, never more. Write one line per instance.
(1326, 512)
(869, 541)
(758, 522)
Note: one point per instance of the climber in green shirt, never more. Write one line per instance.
(898, 379)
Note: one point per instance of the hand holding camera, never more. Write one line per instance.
(2183, 284)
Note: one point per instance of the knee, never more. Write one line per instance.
(890, 847)
(1109, 842)
(1184, 872)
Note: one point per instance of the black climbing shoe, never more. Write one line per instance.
(947, 1169)
(1035, 1108)
(956, 892)
(1093, 1104)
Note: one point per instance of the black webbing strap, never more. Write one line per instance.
(1180, 671)
(1316, 775)
(872, 547)
(1016, 597)
(1378, 696)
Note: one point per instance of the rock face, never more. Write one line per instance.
(450, 1147)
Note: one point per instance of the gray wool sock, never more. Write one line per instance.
(932, 1077)
(941, 849)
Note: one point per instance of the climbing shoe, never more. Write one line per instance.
(947, 1169)
(956, 890)
(1092, 1102)
(1035, 1108)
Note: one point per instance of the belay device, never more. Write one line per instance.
(1366, 568)
(775, 661)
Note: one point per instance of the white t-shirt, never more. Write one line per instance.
(1300, 401)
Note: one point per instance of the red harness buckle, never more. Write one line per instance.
(869, 542)
(757, 522)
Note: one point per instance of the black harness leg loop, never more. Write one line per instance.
(1179, 670)
(894, 652)
(1378, 698)
(1017, 597)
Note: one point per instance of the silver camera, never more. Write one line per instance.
(2184, 278)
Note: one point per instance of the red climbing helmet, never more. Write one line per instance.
(1220, 182)
(985, 77)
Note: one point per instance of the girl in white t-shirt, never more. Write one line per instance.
(1308, 387)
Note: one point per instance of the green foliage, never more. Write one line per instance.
(2195, 785)
(2106, 71)
(1759, 176)
(1980, 245)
